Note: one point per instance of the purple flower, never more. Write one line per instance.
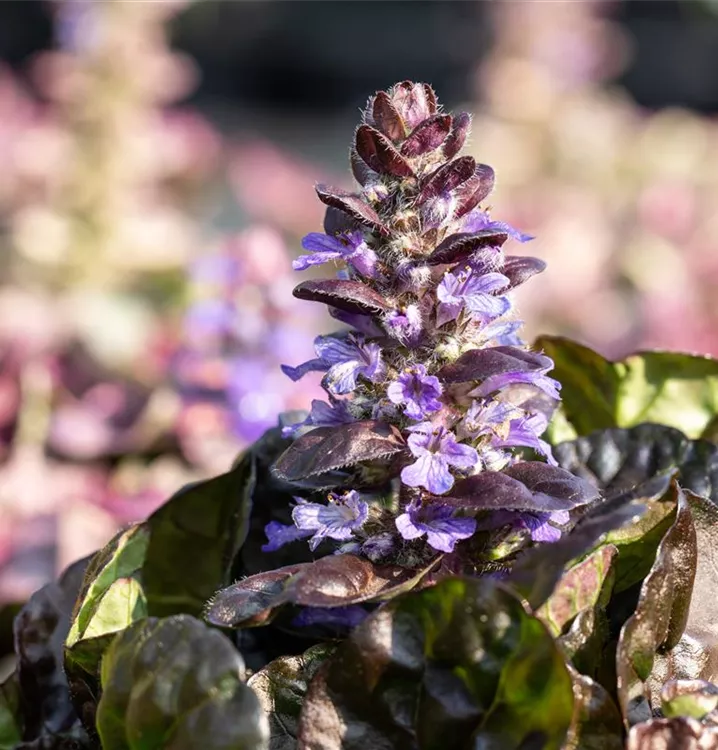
(536, 378)
(478, 220)
(468, 290)
(405, 326)
(322, 414)
(435, 449)
(487, 417)
(419, 391)
(349, 247)
(344, 359)
(539, 525)
(279, 534)
(442, 530)
(526, 431)
(502, 333)
(337, 520)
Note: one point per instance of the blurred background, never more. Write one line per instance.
(157, 163)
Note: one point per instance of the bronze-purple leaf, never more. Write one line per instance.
(329, 448)
(479, 364)
(387, 118)
(447, 178)
(457, 137)
(520, 268)
(379, 153)
(251, 601)
(352, 204)
(494, 490)
(427, 136)
(553, 482)
(352, 296)
(474, 190)
(458, 247)
(525, 486)
(342, 580)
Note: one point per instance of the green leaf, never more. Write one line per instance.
(281, 687)
(10, 714)
(194, 538)
(460, 664)
(618, 460)
(678, 390)
(596, 722)
(584, 586)
(694, 698)
(661, 613)
(176, 683)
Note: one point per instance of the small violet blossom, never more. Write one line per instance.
(344, 359)
(419, 391)
(472, 292)
(539, 525)
(526, 431)
(436, 450)
(478, 221)
(437, 522)
(405, 326)
(336, 520)
(536, 378)
(349, 247)
(322, 414)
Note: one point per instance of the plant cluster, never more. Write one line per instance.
(421, 560)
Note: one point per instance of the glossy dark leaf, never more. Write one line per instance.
(40, 631)
(460, 664)
(579, 588)
(327, 448)
(539, 569)
(677, 390)
(460, 247)
(380, 154)
(351, 204)
(387, 118)
(457, 137)
(194, 538)
(427, 136)
(618, 460)
(352, 296)
(520, 268)
(529, 485)
(596, 722)
(672, 734)
(176, 683)
(474, 190)
(446, 178)
(661, 613)
(281, 687)
(479, 364)
(332, 581)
